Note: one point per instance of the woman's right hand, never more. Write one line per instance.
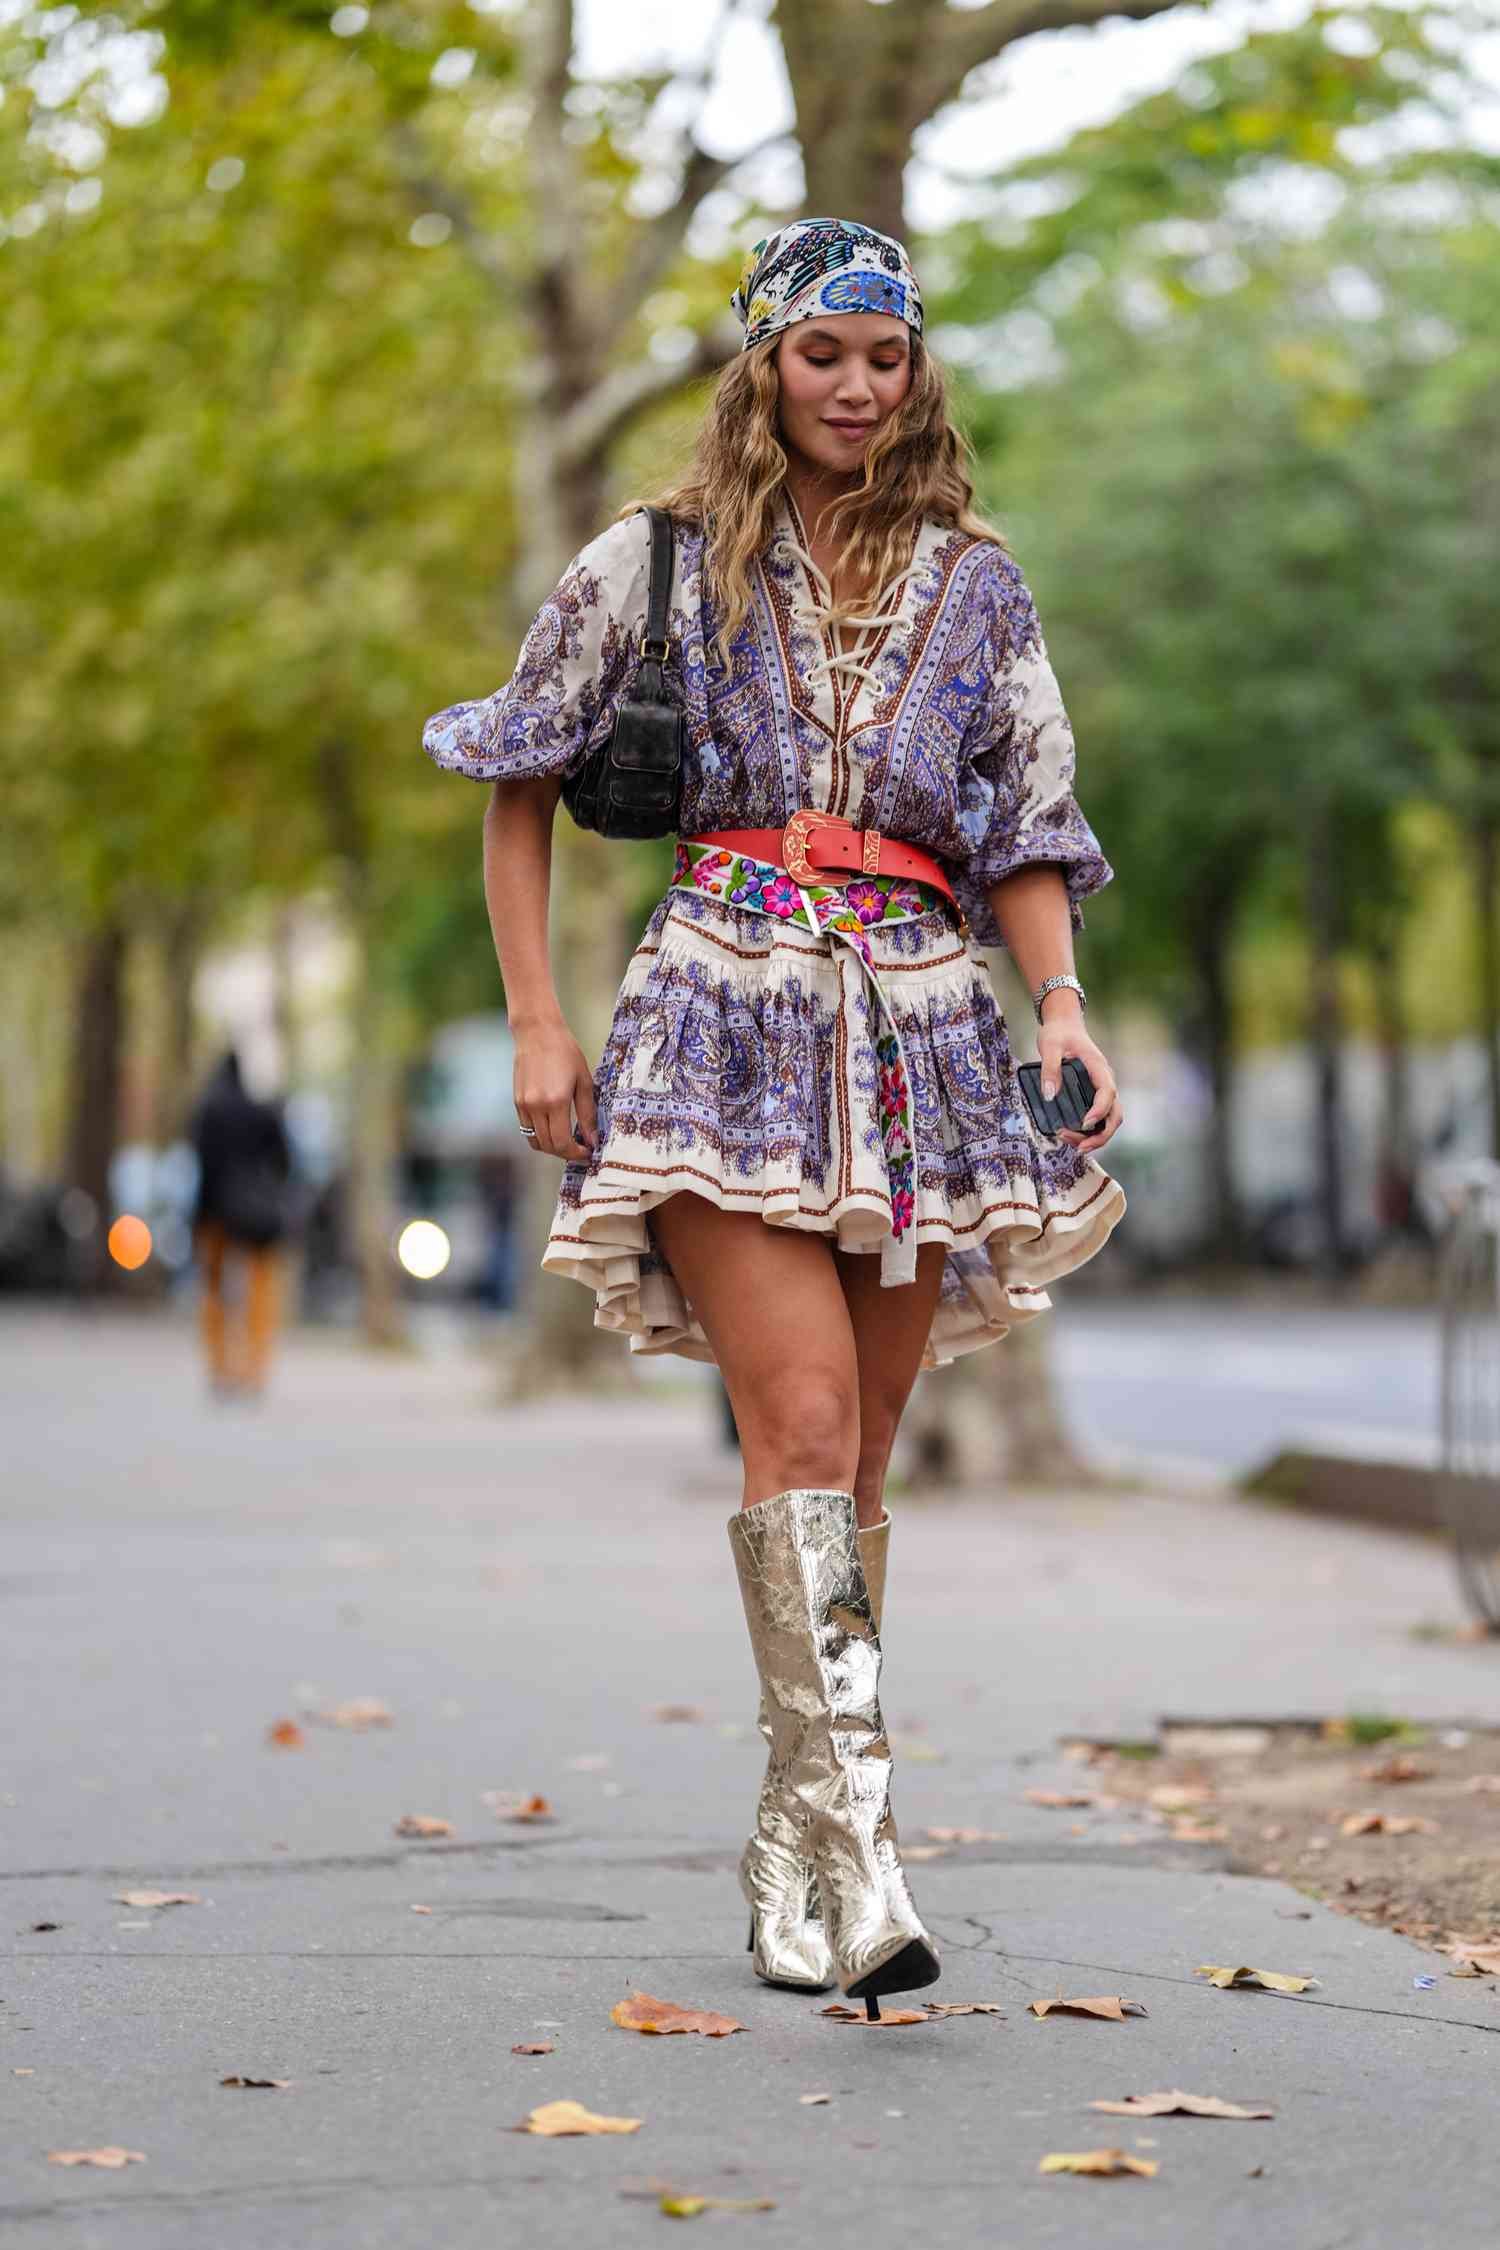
(552, 1080)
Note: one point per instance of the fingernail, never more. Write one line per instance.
(1049, 1087)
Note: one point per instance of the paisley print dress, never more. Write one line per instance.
(745, 1060)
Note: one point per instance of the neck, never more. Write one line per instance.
(815, 489)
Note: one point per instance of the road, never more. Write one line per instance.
(525, 1590)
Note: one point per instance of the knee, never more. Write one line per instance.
(806, 1430)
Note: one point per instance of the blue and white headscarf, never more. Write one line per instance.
(818, 266)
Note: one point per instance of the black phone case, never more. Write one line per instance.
(1070, 1104)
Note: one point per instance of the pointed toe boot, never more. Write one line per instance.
(787, 1938)
(808, 1608)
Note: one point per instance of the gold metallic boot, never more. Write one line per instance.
(786, 1916)
(807, 1605)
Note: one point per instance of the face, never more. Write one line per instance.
(841, 376)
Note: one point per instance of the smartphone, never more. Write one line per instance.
(1069, 1106)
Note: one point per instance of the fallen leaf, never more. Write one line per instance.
(1273, 1832)
(1107, 2004)
(677, 1714)
(534, 1808)
(285, 1734)
(107, 2159)
(1172, 1797)
(921, 1852)
(1102, 2160)
(966, 1835)
(554, 2120)
(38, 1927)
(537, 2047)
(1185, 1831)
(1272, 1979)
(641, 2013)
(361, 1712)
(24, 2070)
(422, 1824)
(1387, 1824)
(421, 1910)
(1163, 2105)
(963, 2008)
(238, 2081)
(1482, 1785)
(1397, 1768)
(694, 2206)
(1483, 1954)
(813, 2101)
(157, 1898)
(1061, 1797)
(1215, 1742)
(841, 2014)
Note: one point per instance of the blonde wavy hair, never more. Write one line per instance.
(917, 464)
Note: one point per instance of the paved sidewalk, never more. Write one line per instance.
(524, 1590)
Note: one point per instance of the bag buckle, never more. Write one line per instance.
(654, 650)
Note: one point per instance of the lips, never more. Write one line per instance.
(850, 429)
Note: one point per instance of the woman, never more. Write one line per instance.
(806, 1159)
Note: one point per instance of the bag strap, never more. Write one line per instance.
(659, 588)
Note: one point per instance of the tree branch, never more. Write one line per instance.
(660, 239)
(962, 40)
(591, 426)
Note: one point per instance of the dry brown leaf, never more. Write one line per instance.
(1386, 1824)
(677, 1714)
(555, 2120)
(360, 1712)
(841, 2014)
(422, 1824)
(1483, 1954)
(694, 2206)
(236, 2080)
(642, 2013)
(1398, 1767)
(813, 2101)
(1185, 1831)
(963, 2008)
(1163, 2105)
(1061, 1797)
(1107, 2004)
(966, 1835)
(923, 1852)
(534, 1808)
(1101, 2160)
(107, 2159)
(1272, 1979)
(156, 1898)
(285, 1734)
(421, 1910)
(537, 2047)
(1173, 1797)
(1482, 1785)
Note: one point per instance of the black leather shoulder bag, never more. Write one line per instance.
(630, 784)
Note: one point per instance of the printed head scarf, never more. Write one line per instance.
(824, 266)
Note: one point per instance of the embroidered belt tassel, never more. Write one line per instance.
(763, 887)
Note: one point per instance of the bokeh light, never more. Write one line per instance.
(129, 1242)
(423, 1249)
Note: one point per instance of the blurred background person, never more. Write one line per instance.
(241, 1218)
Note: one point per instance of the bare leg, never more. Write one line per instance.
(770, 1303)
(890, 1333)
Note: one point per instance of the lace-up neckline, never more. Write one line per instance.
(858, 662)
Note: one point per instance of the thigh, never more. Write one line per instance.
(768, 1300)
(891, 1327)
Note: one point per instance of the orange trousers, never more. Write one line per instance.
(238, 1350)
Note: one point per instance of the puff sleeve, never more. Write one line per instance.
(1017, 807)
(570, 672)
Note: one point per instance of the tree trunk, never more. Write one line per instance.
(94, 1106)
(182, 950)
(1214, 1037)
(374, 1146)
(1325, 1020)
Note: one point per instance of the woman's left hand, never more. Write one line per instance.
(1063, 1036)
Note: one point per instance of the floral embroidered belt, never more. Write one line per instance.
(844, 910)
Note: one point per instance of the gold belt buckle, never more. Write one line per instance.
(794, 839)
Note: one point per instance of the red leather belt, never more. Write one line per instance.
(823, 846)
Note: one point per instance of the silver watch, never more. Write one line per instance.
(1050, 984)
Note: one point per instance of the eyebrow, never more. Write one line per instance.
(827, 336)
